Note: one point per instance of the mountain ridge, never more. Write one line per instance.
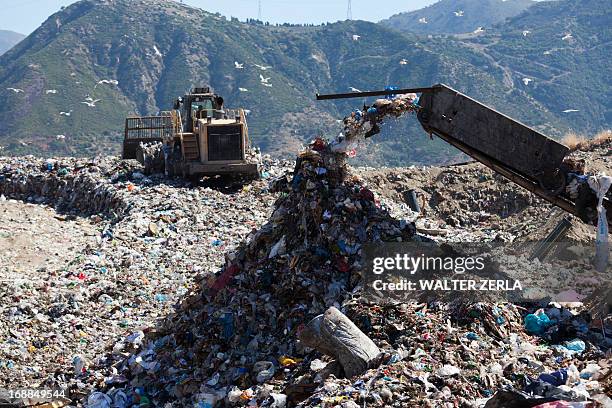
(8, 39)
(174, 47)
(457, 16)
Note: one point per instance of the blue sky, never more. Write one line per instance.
(24, 16)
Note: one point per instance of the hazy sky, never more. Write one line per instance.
(24, 16)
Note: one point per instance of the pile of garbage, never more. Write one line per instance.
(238, 338)
(79, 186)
(364, 123)
(148, 239)
(235, 338)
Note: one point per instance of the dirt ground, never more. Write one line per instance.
(35, 237)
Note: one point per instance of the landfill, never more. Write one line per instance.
(198, 295)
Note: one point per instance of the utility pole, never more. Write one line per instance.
(259, 11)
(349, 11)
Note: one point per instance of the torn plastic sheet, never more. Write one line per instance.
(600, 184)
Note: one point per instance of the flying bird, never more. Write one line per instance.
(243, 90)
(526, 81)
(51, 91)
(264, 80)
(16, 90)
(238, 65)
(458, 13)
(526, 33)
(60, 137)
(91, 104)
(107, 81)
(423, 20)
(403, 61)
(356, 37)
(263, 67)
(353, 89)
(478, 30)
(66, 113)
(267, 84)
(157, 52)
(567, 36)
(571, 110)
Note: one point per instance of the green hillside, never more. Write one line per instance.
(457, 16)
(157, 50)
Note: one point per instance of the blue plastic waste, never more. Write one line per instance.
(575, 345)
(471, 336)
(536, 324)
(227, 321)
(555, 378)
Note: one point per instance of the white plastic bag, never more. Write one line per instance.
(600, 184)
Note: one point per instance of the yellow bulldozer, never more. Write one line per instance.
(199, 137)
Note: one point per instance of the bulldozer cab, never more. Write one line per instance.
(200, 104)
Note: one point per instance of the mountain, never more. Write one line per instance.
(457, 16)
(156, 50)
(8, 39)
(558, 53)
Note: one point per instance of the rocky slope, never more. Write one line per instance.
(457, 16)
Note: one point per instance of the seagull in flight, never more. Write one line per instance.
(423, 20)
(51, 91)
(238, 65)
(526, 81)
(567, 36)
(478, 30)
(356, 37)
(243, 90)
(66, 113)
(264, 80)
(91, 104)
(353, 89)
(60, 137)
(458, 13)
(526, 33)
(107, 81)
(403, 61)
(263, 67)
(16, 90)
(571, 110)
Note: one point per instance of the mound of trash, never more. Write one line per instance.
(239, 328)
(247, 336)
